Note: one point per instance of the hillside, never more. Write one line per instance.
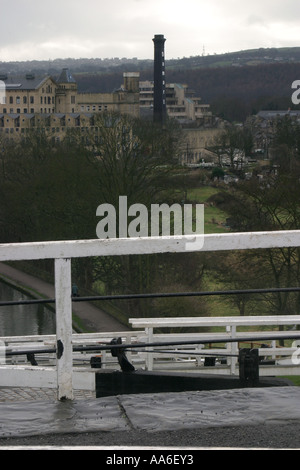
(233, 92)
(236, 92)
(234, 84)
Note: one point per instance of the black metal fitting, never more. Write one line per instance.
(125, 365)
(96, 362)
(249, 367)
(31, 359)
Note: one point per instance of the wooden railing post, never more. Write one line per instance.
(149, 356)
(63, 303)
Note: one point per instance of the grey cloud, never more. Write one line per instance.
(254, 20)
(119, 28)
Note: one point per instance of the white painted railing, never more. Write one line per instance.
(228, 328)
(63, 251)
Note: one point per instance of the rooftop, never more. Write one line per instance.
(25, 82)
(66, 77)
(278, 113)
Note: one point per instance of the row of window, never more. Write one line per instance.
(47, 120)
(47, 100)
(18, 100)
(51, 110)
(25, 110)
(43, 100)
(42, 130)
(100, 107)
(48, 89)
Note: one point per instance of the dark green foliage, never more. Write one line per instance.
(51, 192)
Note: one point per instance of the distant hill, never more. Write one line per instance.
(240, 58)
(107, 65)
(236, 92)
(235, 84)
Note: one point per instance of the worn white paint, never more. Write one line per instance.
(178, 322)
(230, 325)
(43, 377)
(63, 303)
(84, 378)
(147, 245)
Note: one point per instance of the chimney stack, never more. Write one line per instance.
(160, 109)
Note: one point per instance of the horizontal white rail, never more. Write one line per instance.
(179, 322)
(229, 324)
(147, 245)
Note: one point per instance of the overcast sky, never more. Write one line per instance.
(42, 30)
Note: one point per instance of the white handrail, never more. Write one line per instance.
(166, 322)
(231, 324)
(147, 245)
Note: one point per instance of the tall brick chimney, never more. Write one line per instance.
(160, 109)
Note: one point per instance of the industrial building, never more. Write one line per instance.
(54, 106)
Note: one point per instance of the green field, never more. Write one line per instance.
(214, 218)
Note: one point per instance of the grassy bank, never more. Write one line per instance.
(214, 218)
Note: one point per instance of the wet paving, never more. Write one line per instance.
(35, 413)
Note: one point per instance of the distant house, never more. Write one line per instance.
(263, 126)
(28, 94)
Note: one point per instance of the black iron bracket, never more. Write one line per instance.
(125, 365)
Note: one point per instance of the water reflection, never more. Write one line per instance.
(20, 320)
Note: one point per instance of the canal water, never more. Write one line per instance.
(23, 320)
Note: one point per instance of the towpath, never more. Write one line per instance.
(92, 318)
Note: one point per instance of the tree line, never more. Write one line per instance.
(269, 202)
(50, 191)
